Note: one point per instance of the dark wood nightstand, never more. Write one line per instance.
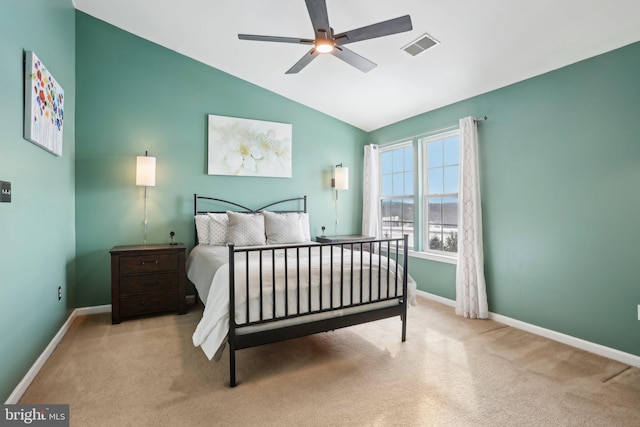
(343, 239)
(147, 279)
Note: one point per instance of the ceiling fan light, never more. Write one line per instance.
(324, 46)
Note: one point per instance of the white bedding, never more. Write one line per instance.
(208, 269)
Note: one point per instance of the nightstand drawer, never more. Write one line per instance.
(148, 263)
(147, 283)
(149, 303)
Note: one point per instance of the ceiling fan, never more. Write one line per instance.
(327, 42)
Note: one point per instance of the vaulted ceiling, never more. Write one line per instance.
(484, 45)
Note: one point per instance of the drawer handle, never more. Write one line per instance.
(149, 283)
(149, 262)
(150, 303)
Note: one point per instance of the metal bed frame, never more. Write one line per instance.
(396, 249)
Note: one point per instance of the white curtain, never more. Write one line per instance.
(471, 289)
(370, 191)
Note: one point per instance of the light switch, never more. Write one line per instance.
(5, 191)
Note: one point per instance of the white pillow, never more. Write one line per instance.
(202, 229)
(304, 224)
(218, 228)
(283, 228)
(246, 229)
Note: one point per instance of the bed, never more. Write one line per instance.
(263, 280)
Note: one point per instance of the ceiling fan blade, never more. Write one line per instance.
(274, 39)
(318, 13)
(303, 62)
(385, 28)
(352, 58)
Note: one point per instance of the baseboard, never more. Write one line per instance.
(436, 298)
(608, 352)
(17, 393)
(601, 350)
(97, 309)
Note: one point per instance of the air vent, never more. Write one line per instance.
(423, 43)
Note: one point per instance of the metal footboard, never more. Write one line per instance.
(322, 287)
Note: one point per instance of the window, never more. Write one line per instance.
(396, 202)
(422, 173)
(441, 160)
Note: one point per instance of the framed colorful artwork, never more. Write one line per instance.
(43, 106)
(245, 147)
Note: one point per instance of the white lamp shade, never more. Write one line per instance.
(146, 171)
(341, 181)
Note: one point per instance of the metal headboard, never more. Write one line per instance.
(198, 200)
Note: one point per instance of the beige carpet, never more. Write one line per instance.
(449, 372)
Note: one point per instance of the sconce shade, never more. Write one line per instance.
(146, 171)
(341, 181)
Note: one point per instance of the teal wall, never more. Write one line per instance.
(37, 228)
(134, 96)
(560, 164)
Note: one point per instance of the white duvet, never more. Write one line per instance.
(208, 269)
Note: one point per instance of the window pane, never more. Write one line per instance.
(406, 221)
(451, 151)
(435, 237)
(398, 161)
(434, 153)
(398, 184)
(407, 212)
(385, 209)
(408, 183)
(387, 185)
(450, 212)
(384, 217)
(451, 179)
(450, 240)
(450, 224)
(435, 184)
(397, 219)
(435, 210)
(408, 158)
(386, 162)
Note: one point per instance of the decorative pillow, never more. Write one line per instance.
(246, 229)
(304, 224)
(202, 229)
(283, 228)
(218, 228)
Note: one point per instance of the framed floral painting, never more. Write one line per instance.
(246, 147)
(43, 106)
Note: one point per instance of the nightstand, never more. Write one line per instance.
(147, 279)
(344, 239)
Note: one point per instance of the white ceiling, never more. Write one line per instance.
(485, 45)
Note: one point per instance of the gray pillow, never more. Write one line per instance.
(283, 228)
(246, 229)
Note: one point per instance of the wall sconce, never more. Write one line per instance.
(145, 176)
(341, 178)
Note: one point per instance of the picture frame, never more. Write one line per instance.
(43, 106)
(248, 147)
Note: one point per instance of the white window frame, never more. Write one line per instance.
(425, 196)
(420, 197)
(381, 151)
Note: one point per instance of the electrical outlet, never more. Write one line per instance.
(59, 293)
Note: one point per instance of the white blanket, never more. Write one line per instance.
(208, 269)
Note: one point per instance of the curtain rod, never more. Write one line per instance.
(480, 119)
